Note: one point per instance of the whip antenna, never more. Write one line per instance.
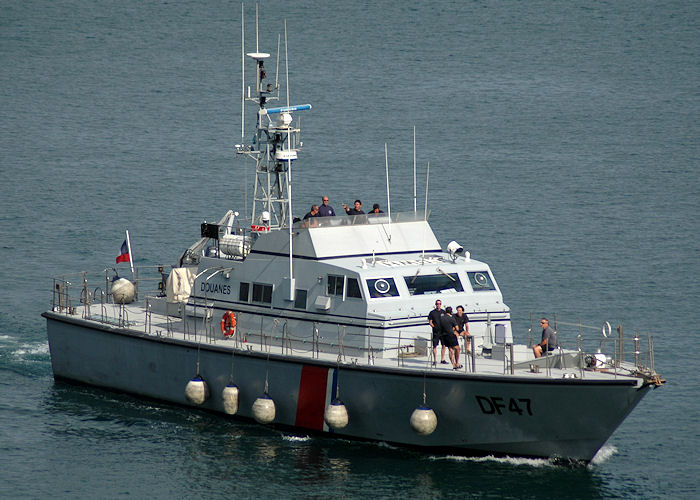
(425, 214)
(388, 198)
(286, 60)
(415, 208)
(289, 173)
(257, 35)
(242, 73)
(277, 67)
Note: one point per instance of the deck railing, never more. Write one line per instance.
(603, 347)
(582, 347)
(353, 220)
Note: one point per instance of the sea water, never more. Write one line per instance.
(562, 139)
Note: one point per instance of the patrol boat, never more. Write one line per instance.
(320, 326)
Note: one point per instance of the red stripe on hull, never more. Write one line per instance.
(312, 397)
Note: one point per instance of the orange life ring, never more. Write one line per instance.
(228, 323)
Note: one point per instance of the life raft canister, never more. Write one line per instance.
(228, 323)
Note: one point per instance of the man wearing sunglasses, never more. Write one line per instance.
(549, 340)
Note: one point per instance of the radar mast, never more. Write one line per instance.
(274, 147)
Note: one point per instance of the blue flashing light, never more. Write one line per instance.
(300, 107)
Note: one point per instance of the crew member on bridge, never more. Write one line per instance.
(325, 210)
(313, 213)
(354, 211)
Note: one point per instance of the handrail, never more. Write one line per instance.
(623, 355)
(359, 220)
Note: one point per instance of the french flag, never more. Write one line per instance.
(124, 255)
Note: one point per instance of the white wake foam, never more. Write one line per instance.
(603, 454)
(296, 438)
(530, 462)
(31, 349)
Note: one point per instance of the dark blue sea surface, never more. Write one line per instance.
(563, 147)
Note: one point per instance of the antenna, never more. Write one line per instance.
(242, 73)
(415, 208)
(289, 172)
(286, 61)
(289, 216)
(257, 36)
(425, 215)
(277, 68)
(427, 178)
(388, 198)
(245, 163)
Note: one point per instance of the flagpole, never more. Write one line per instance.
(128, 245)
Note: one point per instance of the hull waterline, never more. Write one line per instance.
(476, 414)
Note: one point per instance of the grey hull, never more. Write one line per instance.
(501, 415)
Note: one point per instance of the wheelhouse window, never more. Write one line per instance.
(480, 281)
(382, 287)
(262, 293)
(353, 290)
(335, 285)
(300, 299)
(244, 292)
(433, 283)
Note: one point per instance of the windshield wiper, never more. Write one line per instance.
(416, 276)
(443, 272)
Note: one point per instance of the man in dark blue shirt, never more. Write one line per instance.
(325, 210)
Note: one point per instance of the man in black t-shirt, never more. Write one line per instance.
(463, 327)
(434, 321)
(448, 336)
